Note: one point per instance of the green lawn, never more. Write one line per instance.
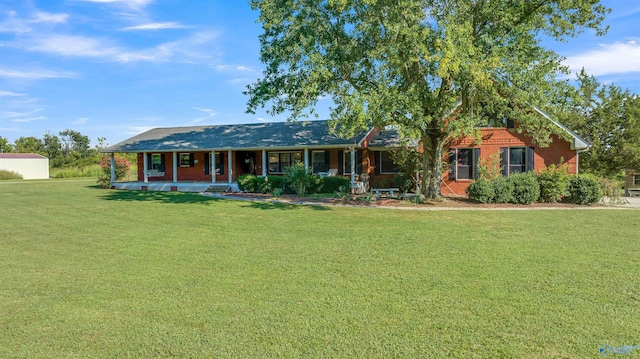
(86, 272)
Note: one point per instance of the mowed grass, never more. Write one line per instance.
(87, 272)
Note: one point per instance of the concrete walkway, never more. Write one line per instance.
(634, 202)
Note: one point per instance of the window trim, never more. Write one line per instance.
(160, 164)
(636, 179)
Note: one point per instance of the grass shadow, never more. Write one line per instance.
(269, 205)
(158, 196)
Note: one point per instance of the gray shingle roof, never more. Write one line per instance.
(271, 135)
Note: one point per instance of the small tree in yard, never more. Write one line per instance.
(417, 64)
(122, 168)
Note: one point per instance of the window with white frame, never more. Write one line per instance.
(464, 163)
(280, 161)
(636, 180)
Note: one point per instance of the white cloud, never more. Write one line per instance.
(186, 51)
(133, 4)
(260, 119)
(80, 121)
(155, 26)
(12, 24)
(209, 112)
(28, 119)
(41, 16)
(10, 94)
(69, 45)
(244, 68)
(616, 58)
(36, 74)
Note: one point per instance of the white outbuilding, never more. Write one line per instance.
(28, 165)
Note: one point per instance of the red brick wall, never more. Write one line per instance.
(495, 138)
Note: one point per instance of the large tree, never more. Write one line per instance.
(29, 144)
(609, 118)
(409, 63)
(5, 145)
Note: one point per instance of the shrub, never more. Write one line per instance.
(503, 190)
(526, 189)
(270, 183)
(299, 178)
(9, 175)
(489, 168)
(612, 191)
(333, 184)
(553, 182)
(403, 182)
(481, 191)
(584, 190)
(122, 166)
(248, 183)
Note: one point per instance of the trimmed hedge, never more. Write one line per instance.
(526, 189)
(503, 190)
(333, 184)
(256, 184)
(584, 190)
(482, 191)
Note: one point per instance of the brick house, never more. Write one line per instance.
(196, 158)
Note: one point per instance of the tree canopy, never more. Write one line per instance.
(609, 118)
(409, 63)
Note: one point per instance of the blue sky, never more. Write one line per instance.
(114, 68)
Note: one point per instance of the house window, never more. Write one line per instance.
(219, 164)
(186, 160)
(319, 161)
(636, 180)
(280, 161)
(157, 162)
(516, 160)
(387, 165)
(344, 159)
(463, 163)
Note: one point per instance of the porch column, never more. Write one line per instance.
(145, 168)
(175, 167)
(353, 170)
(212, 170)
(306, 158)
(113, 167)
(230, 166)
(264, 163)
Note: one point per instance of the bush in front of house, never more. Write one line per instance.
(403, 182)
(553, 182)
(300, 178)
(503, 190)
(482, 191)
(584, 190)
(333, 184)
(9, 175)
(270, 183)
(122, 166)
(526, 189)
(248, 183)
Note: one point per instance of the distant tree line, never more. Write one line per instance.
(68, 148)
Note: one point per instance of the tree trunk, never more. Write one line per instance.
(431, 163)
